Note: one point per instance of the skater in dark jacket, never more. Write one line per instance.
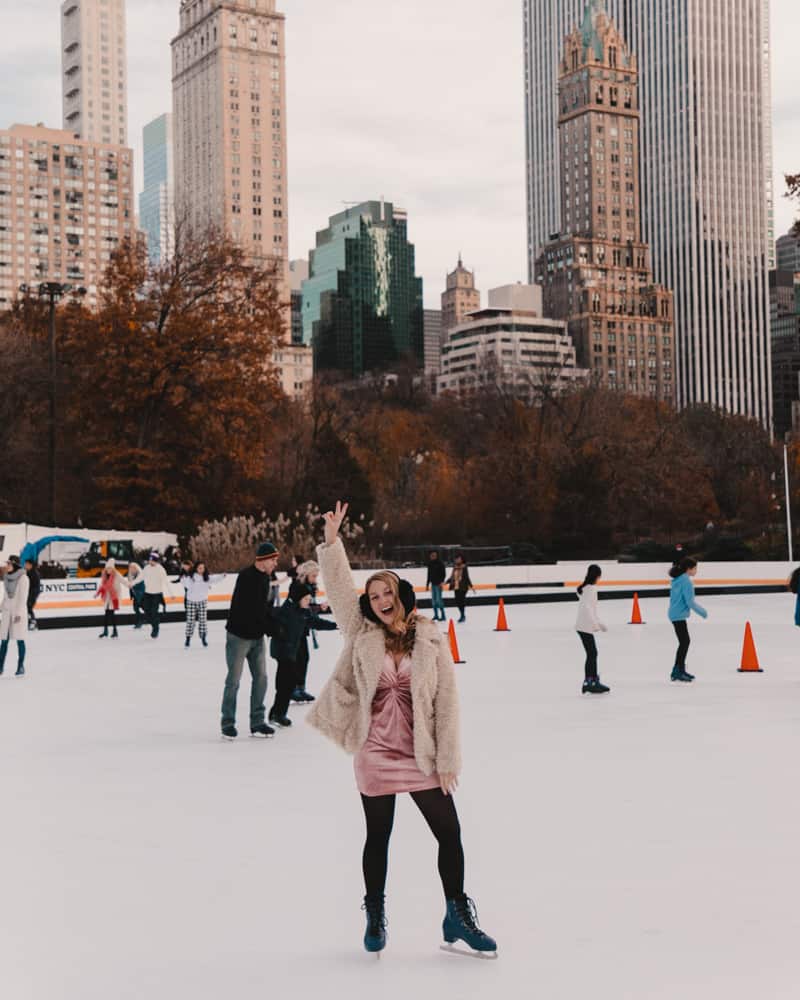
(681, 605)
(392, 701)
(291, 648)
(308, 574)
(460, 584)
(33, 593)
(250, 618)
(436, 577)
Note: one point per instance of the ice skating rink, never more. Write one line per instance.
(638, 846)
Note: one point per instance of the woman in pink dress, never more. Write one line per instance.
(392, 702)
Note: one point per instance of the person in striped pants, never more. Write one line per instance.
(197, 584)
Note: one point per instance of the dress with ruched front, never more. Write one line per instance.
(386, 765)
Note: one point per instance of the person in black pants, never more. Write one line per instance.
(33, 593)
(460, 584)
(436, 577)
(290, 648)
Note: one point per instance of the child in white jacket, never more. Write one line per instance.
(587, 626)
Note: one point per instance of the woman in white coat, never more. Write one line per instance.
(587, 626)
(392, 701)
(14, 612)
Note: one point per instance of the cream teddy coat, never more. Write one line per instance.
(343, 710)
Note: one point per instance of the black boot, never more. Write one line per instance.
(204, 640)
(188, 641)
(115, 634)
(103, 634)
(461, 924)
(375, 934)
(592, 685)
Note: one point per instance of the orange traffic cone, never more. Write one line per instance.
(636, 614)
(454, 643)
(502, 624)
(749, 654)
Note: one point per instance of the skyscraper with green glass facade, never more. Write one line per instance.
(362, 304)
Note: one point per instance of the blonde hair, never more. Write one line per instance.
(401, 632)
(304, 570)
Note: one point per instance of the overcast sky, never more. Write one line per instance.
(420, 101)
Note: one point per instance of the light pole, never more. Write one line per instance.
(53, 291)
(788, 502)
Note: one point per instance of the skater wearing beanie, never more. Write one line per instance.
(14, 612)
(109, 590)
(436, 576)
(587, 625)
(308, 573)
(197, 583)
(392, 701)
(460, 584)
(291, 648)
(681, 605)
(250, 618)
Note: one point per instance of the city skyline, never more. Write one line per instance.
(457, 165)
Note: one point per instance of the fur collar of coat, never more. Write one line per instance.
(343, 710)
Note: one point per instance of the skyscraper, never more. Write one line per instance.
(229, 103)
(705, 175)
(67, 204)
(459, 297)
(157, 200)
(788, 253)
(362, 304)
(229, 106)
(597, 275)
(94, 70)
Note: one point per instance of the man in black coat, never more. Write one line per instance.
(249, 620)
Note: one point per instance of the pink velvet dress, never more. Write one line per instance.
(386, 765)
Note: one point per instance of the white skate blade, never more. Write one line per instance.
(484, 956)
(262, 736)
(227, 739)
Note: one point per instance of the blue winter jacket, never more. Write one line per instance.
(681, 600)
(797, 610)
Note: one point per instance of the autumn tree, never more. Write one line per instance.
(171, 393)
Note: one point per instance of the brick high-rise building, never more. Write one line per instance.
(229, 108)
(459, 298)
(65, 205)
(598, 277)
(94, 70)
(706, 175)
(229, 104)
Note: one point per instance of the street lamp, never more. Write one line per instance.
(53, 291)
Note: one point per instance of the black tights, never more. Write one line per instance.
(440, 814)
(682, 632)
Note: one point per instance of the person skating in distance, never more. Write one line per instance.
(392, 701)
(681, 605)
(14, 612)
(587, 626)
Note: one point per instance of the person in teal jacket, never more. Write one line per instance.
(794, 586)
(681, 605)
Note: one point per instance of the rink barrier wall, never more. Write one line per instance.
(561, 593)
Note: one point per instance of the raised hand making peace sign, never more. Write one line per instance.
(333, 522)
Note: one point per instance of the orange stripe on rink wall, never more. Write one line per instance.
(697, 582)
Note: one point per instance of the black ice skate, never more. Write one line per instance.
(280, 720)
(461, 924)
(301, 697)
(679, 674)
(593, 686)
(262, 732)
(229, 732)
(375, 934)
(188, 641)
(203, 640)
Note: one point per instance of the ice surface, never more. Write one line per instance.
(638, 846)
